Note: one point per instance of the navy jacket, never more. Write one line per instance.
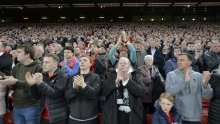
(159, 116)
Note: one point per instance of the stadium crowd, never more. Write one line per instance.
(70, 72)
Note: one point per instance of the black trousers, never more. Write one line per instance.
(191, 122)
(45, 121)
(123, 118)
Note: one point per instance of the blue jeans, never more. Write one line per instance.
(29, 115)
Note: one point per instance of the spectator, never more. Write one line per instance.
(140, 54)
(5, 61)
(49, 88)
(39, 51)
(192, 52)
(166, 112)
(78, 53)
(98, 62)
(158, 56)
(210, 59)
(123, 53)
(14, 57)
(5, 70)
(58, 49)
(188, 87)
(171, 64)
(151, 77)
(123, 90)
(214, 108)
(82, 93)
(26, 107)
(3, 90)
(70, 63)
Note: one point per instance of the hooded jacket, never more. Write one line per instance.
(21, 95)
(159, 116)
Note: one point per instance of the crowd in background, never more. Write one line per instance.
(142, 59)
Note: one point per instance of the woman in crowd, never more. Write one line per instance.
(151, 78)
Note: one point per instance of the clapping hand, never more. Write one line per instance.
(32, 79)
(8, 80)
(186, 72)
(206, 77)
(79, 81)
(118, 79)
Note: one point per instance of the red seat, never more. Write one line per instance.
(149, 118)
(8, 118)
(205, 110)
(100, 118)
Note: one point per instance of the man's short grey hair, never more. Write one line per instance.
(148, 56)
(124, 58)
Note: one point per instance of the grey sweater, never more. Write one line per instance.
(188, 94)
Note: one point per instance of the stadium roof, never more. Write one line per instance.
(102, 9)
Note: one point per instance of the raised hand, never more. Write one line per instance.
(186, 72)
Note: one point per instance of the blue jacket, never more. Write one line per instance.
(159, 116)
(74, 70)
(170, 65)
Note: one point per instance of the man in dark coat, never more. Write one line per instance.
(82, 93)
(158, 56)
(123, 91)
(210, 60)
(5, 61)
(49, 87)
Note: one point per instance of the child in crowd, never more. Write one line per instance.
(165, 111)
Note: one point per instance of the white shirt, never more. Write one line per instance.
(153, 50)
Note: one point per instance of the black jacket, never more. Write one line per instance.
(52, 92)
(83, 103)
(6, 64)
(100, 67)
(208, 61)
(214, 108)
(135, 89)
